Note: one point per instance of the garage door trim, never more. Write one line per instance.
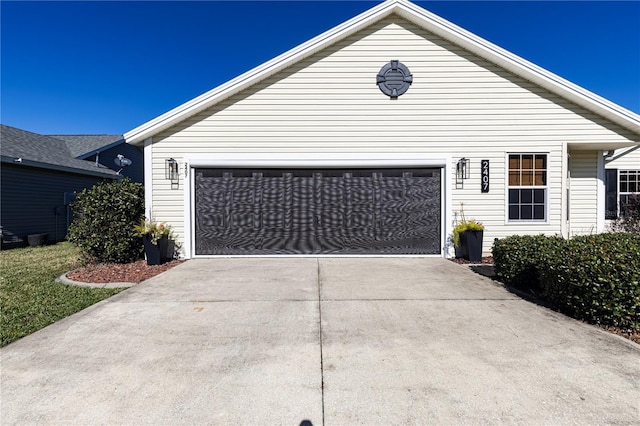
(314, 160)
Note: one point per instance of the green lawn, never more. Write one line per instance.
(30, 299)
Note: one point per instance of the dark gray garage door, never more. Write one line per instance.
(359, 211)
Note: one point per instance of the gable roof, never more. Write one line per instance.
(426, 20)
(35, 150)
(84, 146)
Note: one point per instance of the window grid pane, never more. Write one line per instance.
(629, 181)
(514, 178)
(527, 204)
(525, 172)
(514, 162)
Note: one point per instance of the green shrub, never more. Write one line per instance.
(105, 220)
(596, 279)
(517, 258)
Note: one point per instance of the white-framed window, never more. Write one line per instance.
(629, 187)
(527, 187)
(622, 196)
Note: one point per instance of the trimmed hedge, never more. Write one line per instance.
(105, 220)
(517, 258)
(594, 278)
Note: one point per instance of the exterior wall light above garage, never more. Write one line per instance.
(171, 172)
(462, 172)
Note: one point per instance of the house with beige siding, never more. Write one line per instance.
(373, 138)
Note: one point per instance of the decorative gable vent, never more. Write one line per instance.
(394, 79)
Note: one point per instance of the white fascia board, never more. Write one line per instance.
(519, 66)
(259, 73)
(600, 145)
(424, 19)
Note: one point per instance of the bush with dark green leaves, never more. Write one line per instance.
(104, 220)
(517, 259)
(596, 279)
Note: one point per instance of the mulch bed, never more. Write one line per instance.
(135, 272)
(633, 336)
(487, 260)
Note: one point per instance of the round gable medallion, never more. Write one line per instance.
(394, 79)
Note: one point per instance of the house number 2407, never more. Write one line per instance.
(484, 166)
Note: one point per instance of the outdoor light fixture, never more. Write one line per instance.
(462, 172)
(171, 172)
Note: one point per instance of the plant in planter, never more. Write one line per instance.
(467, 238)
(155, 237)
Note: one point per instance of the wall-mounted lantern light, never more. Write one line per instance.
(462, 172)
(171, 172)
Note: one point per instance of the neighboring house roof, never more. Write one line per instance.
(35, 150)
(426, 20)
(84, 146)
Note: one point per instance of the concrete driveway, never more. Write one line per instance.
(335, 341)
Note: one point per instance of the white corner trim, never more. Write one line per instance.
(446, 209)
(148, 177)
(600, 194)
(564, 187)
(189, 211)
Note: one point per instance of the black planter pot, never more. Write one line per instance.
(156, 254)
(473, 242)
(462, 251)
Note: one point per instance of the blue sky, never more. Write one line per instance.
(107, 67)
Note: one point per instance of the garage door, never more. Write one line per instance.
(360, 211)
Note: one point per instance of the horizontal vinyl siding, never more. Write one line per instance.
(458, 105)
(629, 161)
(30, 197)
(583, 192)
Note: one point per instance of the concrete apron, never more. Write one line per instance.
(332, 341)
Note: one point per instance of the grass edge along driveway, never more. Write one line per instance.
(31, 299)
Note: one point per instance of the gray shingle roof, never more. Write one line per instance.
(82, 146)
(46, 151)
